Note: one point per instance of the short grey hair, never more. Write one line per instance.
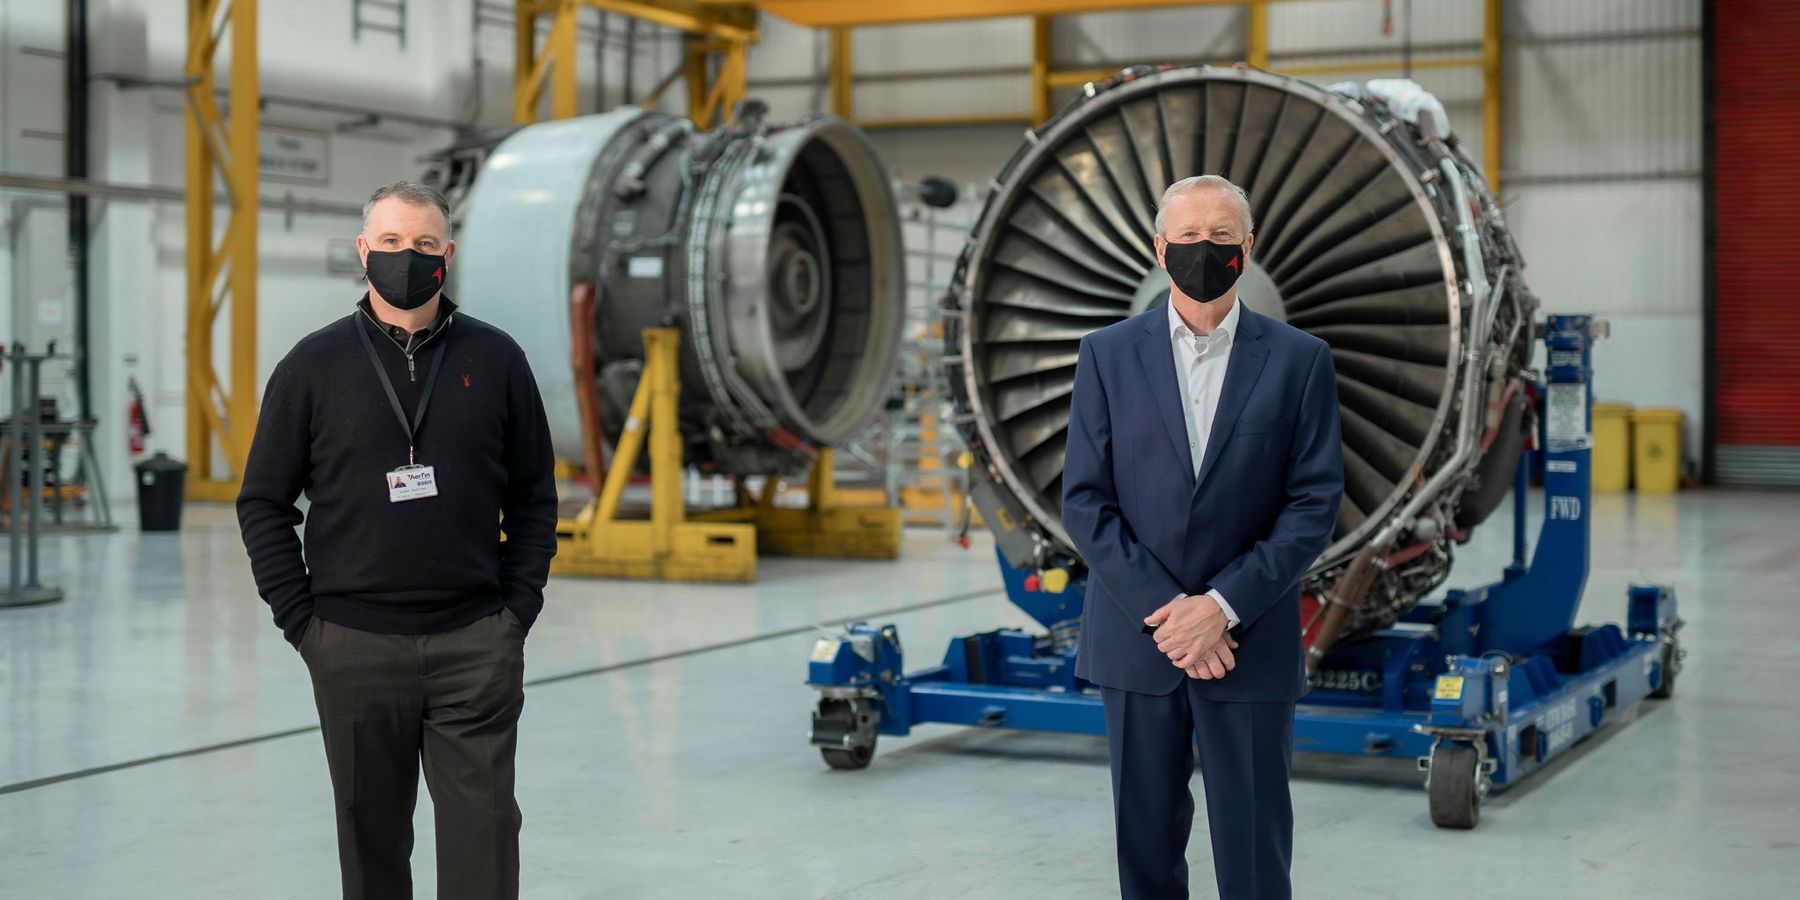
(411, 192)
(1214, 182)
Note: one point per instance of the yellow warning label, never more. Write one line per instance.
(825, 650)
(1005, 520)
(1449, 687)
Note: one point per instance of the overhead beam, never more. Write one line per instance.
(722, 21)
(944, 121)
(836, 13)
(1380, 65)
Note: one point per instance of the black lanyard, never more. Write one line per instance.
(387, 384)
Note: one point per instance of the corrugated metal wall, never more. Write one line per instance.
(1601, 178)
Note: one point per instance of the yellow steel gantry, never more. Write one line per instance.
(842, 17)
(221, 270)
(715, 30)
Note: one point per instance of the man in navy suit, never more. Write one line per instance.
(1202, 479)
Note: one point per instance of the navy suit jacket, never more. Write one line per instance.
(1258, 515)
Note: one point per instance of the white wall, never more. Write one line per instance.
(33, 264)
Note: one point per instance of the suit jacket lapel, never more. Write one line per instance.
(1248, 353)
(1157, 354)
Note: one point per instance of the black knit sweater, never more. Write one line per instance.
(421, 566)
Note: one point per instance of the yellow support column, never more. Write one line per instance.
(1258, 53)
(667, 546)
(734, 79)
(528, 78)
(555, 64)
(713, 99)
(843, 83)
(221, 270)
(667, 512)
(698, 108)
(821, 482)
(1490, 92)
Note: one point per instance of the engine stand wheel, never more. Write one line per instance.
(845, 732)
(1454, 785)
(1671, 667)
(857, 758)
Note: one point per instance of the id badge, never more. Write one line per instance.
(412, 483)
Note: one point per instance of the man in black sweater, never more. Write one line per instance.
(419, 438)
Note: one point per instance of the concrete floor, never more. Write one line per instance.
(156, 741)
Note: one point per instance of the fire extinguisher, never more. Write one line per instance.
(137, 425)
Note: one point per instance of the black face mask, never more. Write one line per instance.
(1204, 270)
(406, 279)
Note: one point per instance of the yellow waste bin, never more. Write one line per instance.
(1656, 450)
(1612, 447)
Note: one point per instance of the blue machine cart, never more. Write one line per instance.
(1482, 686)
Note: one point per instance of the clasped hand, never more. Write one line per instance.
(1191, 631)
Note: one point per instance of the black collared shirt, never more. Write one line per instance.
(401, 336)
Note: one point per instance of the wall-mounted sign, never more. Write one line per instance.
(294, 155)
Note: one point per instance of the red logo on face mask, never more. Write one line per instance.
(465, 381)
(1233, 264)
(439, 274)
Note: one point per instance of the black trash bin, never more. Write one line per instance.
(159, 483)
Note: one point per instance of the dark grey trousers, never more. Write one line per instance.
(451, 700)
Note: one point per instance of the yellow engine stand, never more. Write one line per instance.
(668, 546)
(823, 528)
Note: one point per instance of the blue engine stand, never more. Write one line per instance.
(1481, 686)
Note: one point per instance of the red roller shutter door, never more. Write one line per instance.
(1755, 124)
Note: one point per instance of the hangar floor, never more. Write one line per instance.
(157, 740)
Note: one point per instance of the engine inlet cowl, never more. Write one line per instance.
(1361, 240)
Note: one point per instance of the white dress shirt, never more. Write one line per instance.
(1200, 363)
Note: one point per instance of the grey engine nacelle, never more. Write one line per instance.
(775, 250)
